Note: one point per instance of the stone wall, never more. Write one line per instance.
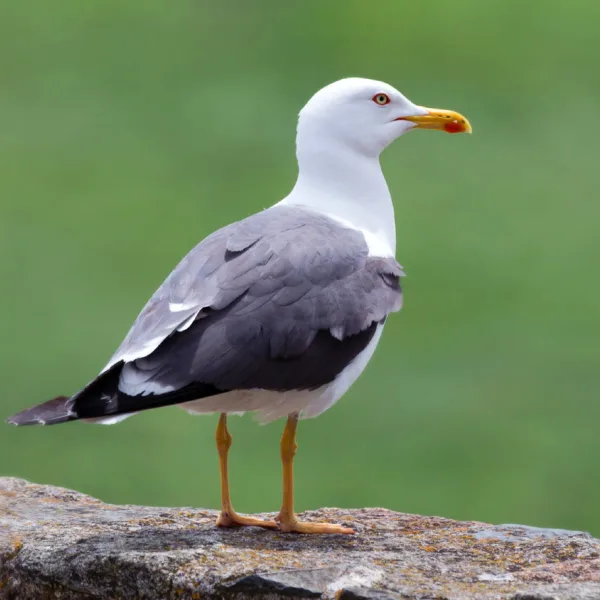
(60, 544)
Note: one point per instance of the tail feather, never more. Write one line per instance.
(101, 399)
(95, 400)
(57, 410)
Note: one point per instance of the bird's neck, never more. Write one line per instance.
(349, 187)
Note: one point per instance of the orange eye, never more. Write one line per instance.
(381, 99)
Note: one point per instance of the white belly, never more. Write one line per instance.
(273, 405)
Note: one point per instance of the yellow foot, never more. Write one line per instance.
(232, 519)
(295, 526)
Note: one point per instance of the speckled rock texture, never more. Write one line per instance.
(59, 544)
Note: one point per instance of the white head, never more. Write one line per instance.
(366, 116)
(342, 130)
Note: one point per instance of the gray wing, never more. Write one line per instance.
(283, 300)
(283, 254)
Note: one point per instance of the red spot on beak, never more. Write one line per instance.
(454, 127)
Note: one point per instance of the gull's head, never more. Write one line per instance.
(368, 115)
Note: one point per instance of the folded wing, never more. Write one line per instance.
(283, 300)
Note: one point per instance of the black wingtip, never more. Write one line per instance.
(51, 412)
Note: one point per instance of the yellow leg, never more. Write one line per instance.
(228, 516)
(287, 519)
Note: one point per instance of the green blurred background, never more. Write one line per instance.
(129, 131)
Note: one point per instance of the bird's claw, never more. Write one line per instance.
(232, 519)
(293, 525)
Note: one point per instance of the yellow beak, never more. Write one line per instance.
(444, 120)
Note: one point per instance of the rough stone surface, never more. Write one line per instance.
(55, 543)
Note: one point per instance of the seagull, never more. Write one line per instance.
(278, 313)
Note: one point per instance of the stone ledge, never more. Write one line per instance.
(60, 544)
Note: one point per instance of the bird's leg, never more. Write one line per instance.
(228, 516)
(287, 519)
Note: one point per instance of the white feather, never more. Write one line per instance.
(109, 420)
(180, 306)
(135, 382)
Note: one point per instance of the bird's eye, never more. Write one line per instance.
(381, 99)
